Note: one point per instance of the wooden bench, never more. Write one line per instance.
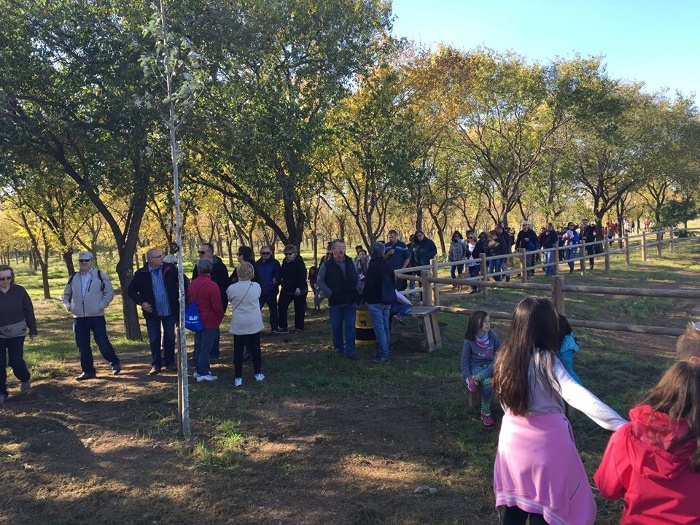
(431, 328)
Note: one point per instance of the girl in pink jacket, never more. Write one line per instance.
(653, 462)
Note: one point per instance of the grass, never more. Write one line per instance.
(322, 439)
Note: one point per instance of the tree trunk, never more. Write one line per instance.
(132, 328)
(68, 260)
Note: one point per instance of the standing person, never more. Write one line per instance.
(313, 277)
(16, 321)
(362, 266)
(246, 321)
(570, 238)
(568, 347)
(653, 462)
(473, 258)
(219, 275)
(550, 240)
(538, 472)
(155, 287)
(205, 293)
(380, 293)
(507, 242)
(494, 248)
(294, 288)
(478, 354)
(86, 296)
(423, 252)
(458, 252)
(338, 281)
(527, 239)
(396, 253)
(589, 237)
(270, 272)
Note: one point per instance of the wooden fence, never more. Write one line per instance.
(557, 288)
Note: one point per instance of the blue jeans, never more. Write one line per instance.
(495, 267)
(399, 309)
(382, 328)
(203, 344)
(549, 259)
(81, 329)
(153, 325)
(456, 270)
(343, 314)
(13, 348)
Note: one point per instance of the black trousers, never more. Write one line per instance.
(517, 516)
(299, 309)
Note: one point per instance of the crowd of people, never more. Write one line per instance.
(651, 462)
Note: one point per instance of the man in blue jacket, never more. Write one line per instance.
(268, 268)
(155, 288)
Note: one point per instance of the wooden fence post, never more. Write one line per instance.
(627, 250)
(582, 248)
(523, 263)
(556, 260)
(659, 237)
(670, 238)
(484, 273)
(435, 286)
(558, 294)
(425, 284)
(644, 245)
(606, 247)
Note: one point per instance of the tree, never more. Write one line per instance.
(70, 93)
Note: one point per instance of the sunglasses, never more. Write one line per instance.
(201, 252)
(289, 253)
(84, 260)
(5, 278)
(265, 253)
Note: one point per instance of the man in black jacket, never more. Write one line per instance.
(338, 280)
(155, 288)
(588, 236)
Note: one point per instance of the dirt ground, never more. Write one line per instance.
(107, 451)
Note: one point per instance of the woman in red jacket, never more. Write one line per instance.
(207, 295)
(653, 462)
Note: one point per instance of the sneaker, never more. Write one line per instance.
(25, 387)
(154, 371)
(85, 376)
(116, 369)
(281, 331)
(486, 419)
(259, 377)
(238, 381)
(399, 318)
(379, 361)
(207, 377)
(195, 375)
(472, 384)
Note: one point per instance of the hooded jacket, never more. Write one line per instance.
(656, 483)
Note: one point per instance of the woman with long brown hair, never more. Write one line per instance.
(538, 473)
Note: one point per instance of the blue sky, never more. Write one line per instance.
(655, 42)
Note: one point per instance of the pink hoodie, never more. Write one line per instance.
(657, 484)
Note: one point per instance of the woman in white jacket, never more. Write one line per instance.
(246, 321)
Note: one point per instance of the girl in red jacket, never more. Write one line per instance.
(653, 462)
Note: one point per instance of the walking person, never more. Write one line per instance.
(86, 295)
(16, 321)
(538, 473)
(205, 293)
(155, 287)
(380, 293)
